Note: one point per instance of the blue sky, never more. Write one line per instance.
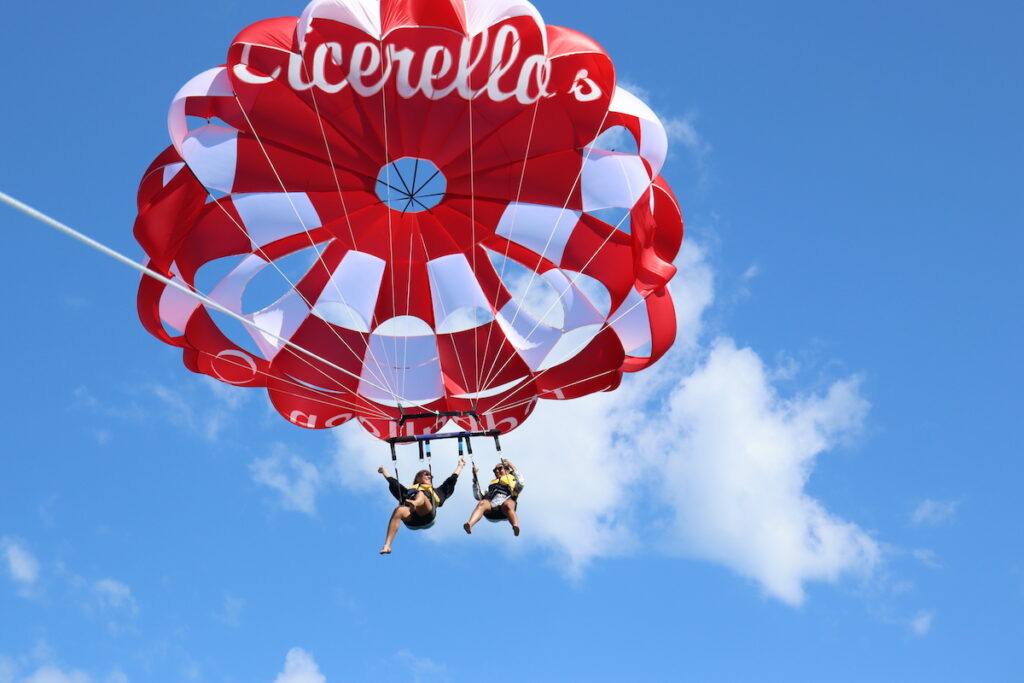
(820, 483)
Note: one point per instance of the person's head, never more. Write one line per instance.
(423, 477)
(501, 469)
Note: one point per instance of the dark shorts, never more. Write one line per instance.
(495, 515)
(416, 522)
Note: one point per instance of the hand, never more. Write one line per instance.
(462, 462)
(475, 469)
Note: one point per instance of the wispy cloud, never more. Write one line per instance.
(48, 673)
(41, 666)
(85, 399)
(422, 668)
(201, 406)
(683, 131)
(921, 624)
(295, 479)
(231, 612)
(7, 669)
(926, 557)
(22, 565)
(299, 667)
(200, 416)
(113, 595)
(934, 512)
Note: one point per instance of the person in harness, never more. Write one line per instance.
(498, 502)
(417, 505)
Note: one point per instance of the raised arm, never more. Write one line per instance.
(448, 487)
(396, 489)
(520, 481)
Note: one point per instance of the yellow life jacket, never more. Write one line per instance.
(508, 480)
(429, 490)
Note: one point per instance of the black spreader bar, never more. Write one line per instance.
(449, 435)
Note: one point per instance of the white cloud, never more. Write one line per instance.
(42, 651)
(737, 459)
(921, 624)
(231, 614)
(49, 673)
(180, 410)
(21, 564)
(296, 479)
(7, 669)
(230, 397)
(683, 131)
(421, 667)
(114, 595)
(47, 668)
(926, 557)
(698, 456)
(86, 400)
(202, 406)
(299, 667)
(934, 512)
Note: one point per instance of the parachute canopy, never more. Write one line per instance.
(420, 205)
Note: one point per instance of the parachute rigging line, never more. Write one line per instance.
(305, 229)
(533, 271)
(569, 287)
(273, 262)
(206, 301)
(578, 348)
(508, 243)
(344, 208)
(549, 97)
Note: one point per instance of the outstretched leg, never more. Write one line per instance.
(478, 512)
(401, 512)
(509, 506)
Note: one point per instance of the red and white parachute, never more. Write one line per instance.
(443, 174)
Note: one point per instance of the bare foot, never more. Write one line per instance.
(468, 528)
(515, 531)
(386, 550)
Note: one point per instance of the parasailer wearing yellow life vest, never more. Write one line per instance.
(500, 499)
(417, 505)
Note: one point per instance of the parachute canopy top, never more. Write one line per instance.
(441, 205)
